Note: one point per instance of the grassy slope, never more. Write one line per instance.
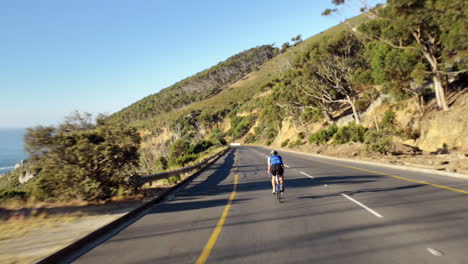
(246, 88)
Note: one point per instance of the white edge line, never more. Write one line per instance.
(363, 206)
(435, 252)
(286, 166)
(378, 164)
(312, 177)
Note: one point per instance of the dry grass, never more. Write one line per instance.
(19, 225)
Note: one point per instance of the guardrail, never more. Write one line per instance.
(140, 180)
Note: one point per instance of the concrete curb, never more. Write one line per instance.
(86, 243)
(374, 163)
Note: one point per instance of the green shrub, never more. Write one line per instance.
(284, 143)
(179, 147)
(251, 138)
(201, 146)
(92, 190)
(301, 136)
(323, 135)
(241, 125)
(388, 119)
(258, 130)
(7, 194)
(10, 180)
(80, 160)
(363, 103)
(378, 141)
(161, 163)
(171, 180)
(311, 115)
(174, 179)
(180, 161)
(271, 133)
(351, 132)
(268, 142)
(293, 144)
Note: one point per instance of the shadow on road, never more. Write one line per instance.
(363, 191)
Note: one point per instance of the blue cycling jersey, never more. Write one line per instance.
(276, 159)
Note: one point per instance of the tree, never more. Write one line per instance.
(398, 70)
(290, 98)
(79, 160)
(285, 46)
(436, 28)
(297, 39)
(331, 70)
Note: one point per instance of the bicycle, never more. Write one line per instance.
(278, 188)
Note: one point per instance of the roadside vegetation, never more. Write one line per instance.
(77, 160)
(91, 160)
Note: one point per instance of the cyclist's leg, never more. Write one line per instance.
(281, 173)
(273, 182)
(275, 170)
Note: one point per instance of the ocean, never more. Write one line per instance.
(11, 148)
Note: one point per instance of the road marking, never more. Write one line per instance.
(214, 236)
(286, 166)
(312, 177)
(396, 177)
(363, 206)
(435, 252)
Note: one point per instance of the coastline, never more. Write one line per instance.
(11, 148)
(6, 169)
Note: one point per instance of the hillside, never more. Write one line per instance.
(197, 87)
(232, 94)
(146, 112)
(288, 99)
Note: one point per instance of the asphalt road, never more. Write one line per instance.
(333, 212)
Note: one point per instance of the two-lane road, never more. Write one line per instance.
(333, 212)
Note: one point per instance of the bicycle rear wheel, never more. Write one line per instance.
(278, 189)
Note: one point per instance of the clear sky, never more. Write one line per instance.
(99, 56)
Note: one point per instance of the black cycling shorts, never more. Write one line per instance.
(276, 169)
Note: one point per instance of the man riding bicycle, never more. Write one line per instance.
(275, 166)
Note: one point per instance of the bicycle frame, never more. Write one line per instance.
(279, 193)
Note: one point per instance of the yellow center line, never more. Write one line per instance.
(398, 177)
(214, 236)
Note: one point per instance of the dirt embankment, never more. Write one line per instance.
(452, 161)
(442, 143)
(446, 130)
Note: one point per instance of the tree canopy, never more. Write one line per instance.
(81, 160)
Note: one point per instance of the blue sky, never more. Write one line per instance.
(100, 56)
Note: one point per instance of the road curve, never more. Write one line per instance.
(333, 212)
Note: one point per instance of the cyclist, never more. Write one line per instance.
(275, 166)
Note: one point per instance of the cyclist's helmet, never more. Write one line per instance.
(273, 152)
